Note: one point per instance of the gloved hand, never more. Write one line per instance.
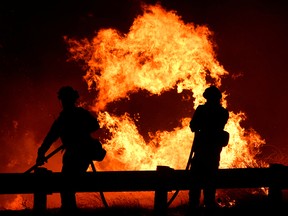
(41, 159)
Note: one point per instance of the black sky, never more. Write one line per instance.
(251, 38)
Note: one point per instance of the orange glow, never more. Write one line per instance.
(160, 53)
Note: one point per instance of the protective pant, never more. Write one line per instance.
(70, 169)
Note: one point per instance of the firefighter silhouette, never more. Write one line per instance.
(73, 126)
(208, 124)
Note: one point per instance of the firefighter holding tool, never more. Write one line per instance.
(208, 124)
(74, 127)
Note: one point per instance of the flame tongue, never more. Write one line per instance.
(159, 53)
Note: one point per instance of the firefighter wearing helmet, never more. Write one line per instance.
(208, 124)
(73, 127)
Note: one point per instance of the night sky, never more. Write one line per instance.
(251, 38)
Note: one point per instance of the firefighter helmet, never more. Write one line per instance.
(213, 93)
(67, 92)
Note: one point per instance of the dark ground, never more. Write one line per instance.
(251, 204)
(179, 211)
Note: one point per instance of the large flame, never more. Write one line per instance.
(159, 53)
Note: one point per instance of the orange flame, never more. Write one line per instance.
(158, 54)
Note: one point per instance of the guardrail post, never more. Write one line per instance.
(275, 191)
(161, 193)
(40, 196)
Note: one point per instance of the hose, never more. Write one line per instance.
(187, 168)
(101, 192)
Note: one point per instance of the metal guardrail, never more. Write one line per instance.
(164, 179)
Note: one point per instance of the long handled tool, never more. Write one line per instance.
(46, 158)
(53, 153)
